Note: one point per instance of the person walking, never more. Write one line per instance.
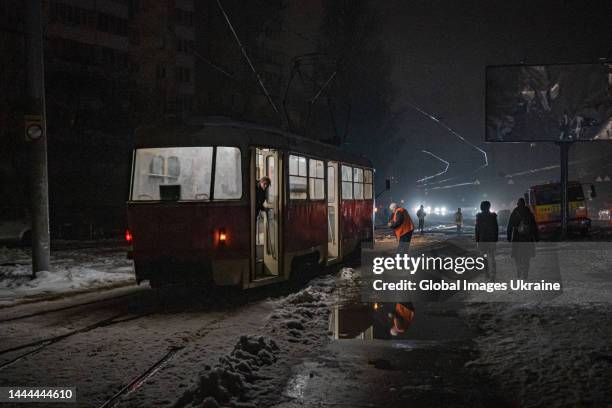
(522, 232)
(459, 220)
(487, 235)
(402, 225)
(421, 216)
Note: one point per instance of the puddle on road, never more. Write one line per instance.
(298, 383)
(407, 325)
(371, 321)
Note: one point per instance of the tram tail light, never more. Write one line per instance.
(222, 236)
(128, 236)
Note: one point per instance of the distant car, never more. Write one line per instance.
(15, 226)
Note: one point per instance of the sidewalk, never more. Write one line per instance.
(72, 271)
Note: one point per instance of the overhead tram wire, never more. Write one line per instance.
(455, 133)
(246, 56)
(437, 174)
(214, 66)
(506, 176)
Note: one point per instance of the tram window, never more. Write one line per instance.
(228, 174)
(271, 172)
(189, 167)
(331, 185)
(316, 179)
(358, 183)
(174, 167)
(298, 180)
(367, 186)
(347, 182)
(156, 166)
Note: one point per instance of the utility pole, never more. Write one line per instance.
(36, 136)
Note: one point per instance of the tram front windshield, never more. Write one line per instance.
(190, 169)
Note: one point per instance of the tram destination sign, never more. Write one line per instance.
(549, 103)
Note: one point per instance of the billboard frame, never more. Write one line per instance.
(564, 145)
(486, 112)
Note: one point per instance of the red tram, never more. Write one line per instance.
(192, 215)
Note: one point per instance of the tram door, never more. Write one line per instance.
(332, 211)
(267, 251)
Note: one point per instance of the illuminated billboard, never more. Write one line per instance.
(562, 102)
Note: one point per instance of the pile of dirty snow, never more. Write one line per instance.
(228, 381)
(256, 371)
(302, 313)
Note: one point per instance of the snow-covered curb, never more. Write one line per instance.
(72, 272)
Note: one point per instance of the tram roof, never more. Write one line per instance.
(210, 131)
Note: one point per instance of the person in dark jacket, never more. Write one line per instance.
(261, 195)
(459, 220)
(421, 214)
(261, 191)
(522, 231)
(487, 233)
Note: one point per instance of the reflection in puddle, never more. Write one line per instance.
(369, 321)
(296, 386)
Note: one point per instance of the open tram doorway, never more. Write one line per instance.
(267, 228)
(333, 241)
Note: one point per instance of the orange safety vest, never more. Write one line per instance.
(405, 314)
(406, 226)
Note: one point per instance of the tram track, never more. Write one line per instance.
(63, 308)
(136, 383)
(39, 345)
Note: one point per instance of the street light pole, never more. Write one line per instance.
(35, 133)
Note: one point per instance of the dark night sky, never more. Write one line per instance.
(440, 50)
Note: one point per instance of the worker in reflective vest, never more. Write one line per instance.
(401, 318)
(402, 226)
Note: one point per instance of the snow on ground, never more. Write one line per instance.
(252, 374)
(545, 355)
(71, 270)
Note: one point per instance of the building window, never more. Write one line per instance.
(183, 74)
(347, 182)
(185, 104)
(160, 72)
(298, 180)
(184, 17)
(367, 186)
(111, 24)
(184, 45)
(316, 179)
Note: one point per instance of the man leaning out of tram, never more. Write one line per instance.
(402, 226)
(261, 194)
